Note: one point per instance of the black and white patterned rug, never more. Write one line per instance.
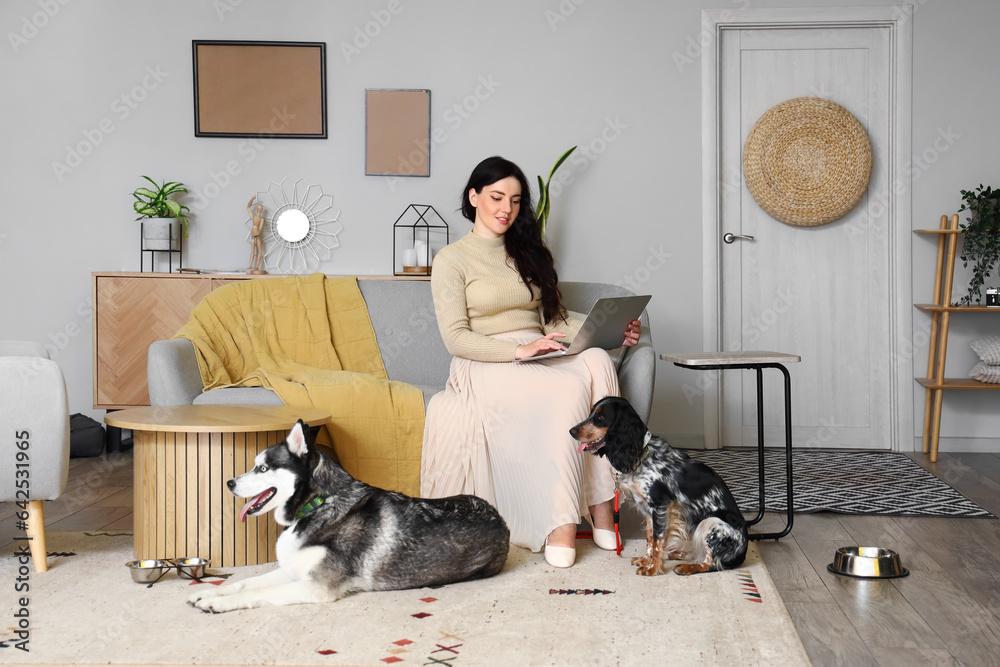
(885, 483)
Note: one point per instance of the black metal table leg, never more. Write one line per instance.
(759, 368)
(788, 452)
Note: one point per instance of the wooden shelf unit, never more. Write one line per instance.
(941, 310)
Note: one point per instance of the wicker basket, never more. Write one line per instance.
(807, 161)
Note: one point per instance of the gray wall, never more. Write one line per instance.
(111, 80)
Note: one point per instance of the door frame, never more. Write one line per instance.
(897, 19)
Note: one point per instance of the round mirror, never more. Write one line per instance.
(292, 225)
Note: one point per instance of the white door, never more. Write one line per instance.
(819, 292)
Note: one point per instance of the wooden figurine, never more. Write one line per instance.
(256, 243)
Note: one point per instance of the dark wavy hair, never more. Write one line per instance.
(523, 240)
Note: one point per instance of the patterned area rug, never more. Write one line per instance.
(886, 483)
(86, 609)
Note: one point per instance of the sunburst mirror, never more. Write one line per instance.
(300, 226)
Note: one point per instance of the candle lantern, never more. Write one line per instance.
(418, 233)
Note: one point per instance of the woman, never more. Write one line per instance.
(500, 430)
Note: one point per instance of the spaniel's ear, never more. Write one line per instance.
(628, 419)
(626, 432)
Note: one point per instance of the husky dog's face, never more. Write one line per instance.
(273, 480)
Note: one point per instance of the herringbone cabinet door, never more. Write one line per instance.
(134, 311)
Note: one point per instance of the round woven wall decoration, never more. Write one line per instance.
(807, 161)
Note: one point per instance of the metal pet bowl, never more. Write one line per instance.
(191, 567)
(147, 571)
(867, 563)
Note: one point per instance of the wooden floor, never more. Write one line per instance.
(947, 612)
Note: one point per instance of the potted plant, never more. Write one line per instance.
(981, 238)
(544, 203)
(160, 215)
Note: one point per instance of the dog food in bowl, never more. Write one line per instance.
(867, 563)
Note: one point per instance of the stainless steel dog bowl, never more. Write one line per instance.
(191, 567)
(867, 563)
(147, 571)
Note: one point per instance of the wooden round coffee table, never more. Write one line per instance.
(183, 457)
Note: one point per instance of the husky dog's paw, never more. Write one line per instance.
(208, 592)
(217, 605)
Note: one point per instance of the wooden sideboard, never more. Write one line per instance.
(132, 311)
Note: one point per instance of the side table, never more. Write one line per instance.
(756, 361)
(183, 457)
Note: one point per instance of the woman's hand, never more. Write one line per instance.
(540, 346)
(632, 333)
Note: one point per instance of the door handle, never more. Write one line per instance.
(729, 237)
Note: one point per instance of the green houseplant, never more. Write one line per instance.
(981, 238)
(544, 203)
(156, 205)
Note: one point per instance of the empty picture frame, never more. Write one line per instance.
(397, 132)
(252, 89)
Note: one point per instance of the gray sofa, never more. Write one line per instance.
(402, 314)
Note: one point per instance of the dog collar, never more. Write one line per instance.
(313, 503)
(645, 443)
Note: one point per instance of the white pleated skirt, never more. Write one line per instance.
(500, 431)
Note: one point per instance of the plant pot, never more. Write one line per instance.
(161, 234)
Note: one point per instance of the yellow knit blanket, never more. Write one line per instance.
(311, 341)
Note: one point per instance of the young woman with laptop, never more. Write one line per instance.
(500, 430)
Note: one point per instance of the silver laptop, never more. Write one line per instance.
(604, 327)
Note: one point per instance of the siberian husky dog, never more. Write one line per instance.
(344, 536)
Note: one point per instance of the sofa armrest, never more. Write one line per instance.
(172, 373)
(637, 373)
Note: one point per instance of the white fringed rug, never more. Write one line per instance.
(86, 609)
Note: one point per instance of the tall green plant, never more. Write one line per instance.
(981, 238)
(544, 203)
(155, 203)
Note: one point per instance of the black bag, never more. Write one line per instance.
(86, 437)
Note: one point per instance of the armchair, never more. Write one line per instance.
(34, 412)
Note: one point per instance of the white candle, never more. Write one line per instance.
(420, 248)
(409, 257)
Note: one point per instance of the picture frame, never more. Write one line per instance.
(254, 89)
(397, 132)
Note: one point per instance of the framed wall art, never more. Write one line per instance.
(397, 132)
(251, 89)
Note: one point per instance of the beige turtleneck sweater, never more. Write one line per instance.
(477, 293)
